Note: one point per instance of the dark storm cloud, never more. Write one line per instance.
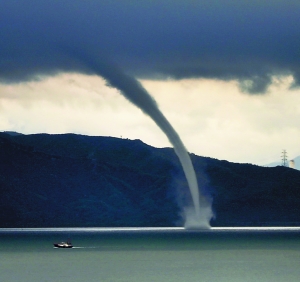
(246, 40)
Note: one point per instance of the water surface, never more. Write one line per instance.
(150, 255)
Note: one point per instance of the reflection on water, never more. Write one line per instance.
(150, 255)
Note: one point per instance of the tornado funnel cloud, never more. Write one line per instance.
(136, 93)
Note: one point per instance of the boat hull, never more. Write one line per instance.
(63, 245)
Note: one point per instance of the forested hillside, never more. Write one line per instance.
(73, 180)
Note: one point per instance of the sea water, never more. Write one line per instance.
(150, 254)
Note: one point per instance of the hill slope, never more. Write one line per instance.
(74, 180)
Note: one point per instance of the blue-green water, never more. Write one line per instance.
(150, 255)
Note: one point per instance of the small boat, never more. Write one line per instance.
(67, 244)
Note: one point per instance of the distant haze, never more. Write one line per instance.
(296, 160)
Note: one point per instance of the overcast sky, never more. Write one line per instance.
(226, 74)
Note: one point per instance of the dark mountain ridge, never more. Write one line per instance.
(75, 180)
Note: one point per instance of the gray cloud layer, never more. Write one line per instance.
(246, 40)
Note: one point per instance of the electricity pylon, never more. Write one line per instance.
(284, 158)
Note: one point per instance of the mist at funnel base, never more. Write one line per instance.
(195, 220)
